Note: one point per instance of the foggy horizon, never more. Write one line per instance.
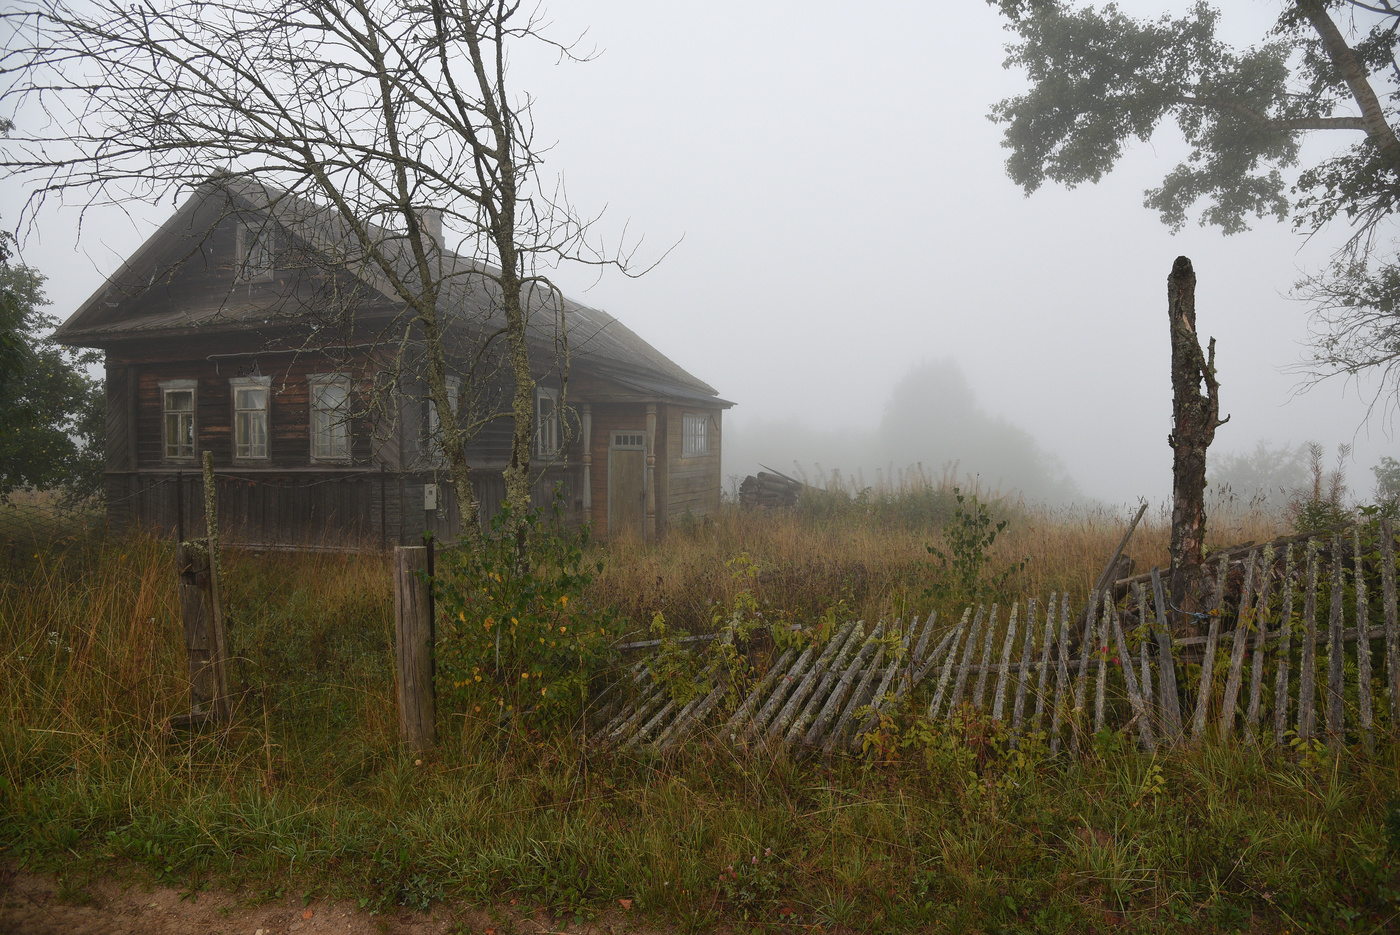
(850, 265)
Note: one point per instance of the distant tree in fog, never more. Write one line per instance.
(1265, 477)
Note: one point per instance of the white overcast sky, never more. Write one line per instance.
(840, 213)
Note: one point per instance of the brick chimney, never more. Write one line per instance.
(430, 220)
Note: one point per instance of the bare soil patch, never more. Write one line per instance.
(45, 905)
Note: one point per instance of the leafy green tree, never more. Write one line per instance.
(1100, 78)
(51, 416)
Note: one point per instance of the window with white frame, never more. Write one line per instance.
(695, 434)
(330, 416)
(250, 399)
(257, 251)
(177, 402)
(546, 421)
(432, 437)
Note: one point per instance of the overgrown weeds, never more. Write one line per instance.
(942, 825)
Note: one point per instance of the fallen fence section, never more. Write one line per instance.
(1295, 655)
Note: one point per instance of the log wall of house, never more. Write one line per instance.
(288, 414)
(693, 484)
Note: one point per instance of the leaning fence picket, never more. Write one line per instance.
(1284, 647)
(786, 685)
(1084, 649)
(1336, 716)
(863, 694)
(1139, 707)
(934, 705)
(1238, 643)
(1392, 628)
(965, 665)
(1018, 709)
(1044, 671)
(831, 708)
(1144, 654)
(1198, 720)
(1363, 645)
(1061, 676)
(1166, 665)
(1261, 616)
(1101, 650)
(999, 697)
(759, 692)
(804, 689)
(978, 692)
(1307, 664)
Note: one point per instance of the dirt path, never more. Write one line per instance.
(39, 905)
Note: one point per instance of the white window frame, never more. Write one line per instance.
(249, 451)
(339, 448)
(168, 387)
(434, 451)
(695, 434)
(257, 252)
(547, 434)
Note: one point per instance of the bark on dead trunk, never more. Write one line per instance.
(1195, 417)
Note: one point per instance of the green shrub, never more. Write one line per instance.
(521, 639)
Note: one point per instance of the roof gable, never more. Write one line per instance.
(151, 292)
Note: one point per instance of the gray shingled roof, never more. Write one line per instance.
(593, 335)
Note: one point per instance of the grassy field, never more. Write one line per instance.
(943, 828)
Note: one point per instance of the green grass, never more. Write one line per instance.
(309, 792)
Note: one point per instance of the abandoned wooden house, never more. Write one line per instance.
(240, 328)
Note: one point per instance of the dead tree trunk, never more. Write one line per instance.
(1195, 417)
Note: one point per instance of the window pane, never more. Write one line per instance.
(250, 421)
(179, 423)
(330, 432)
(695, 434)
(251, 397)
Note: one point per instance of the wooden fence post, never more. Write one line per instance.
(197, 619)
(413, 650)
(201, 609)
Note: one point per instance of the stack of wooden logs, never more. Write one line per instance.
(769, 490)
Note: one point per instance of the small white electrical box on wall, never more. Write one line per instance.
(430, 498)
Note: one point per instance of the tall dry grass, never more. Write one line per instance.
(308, 791)
(869, 558)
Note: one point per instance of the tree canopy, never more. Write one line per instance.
(1101, 78)
(50, 410)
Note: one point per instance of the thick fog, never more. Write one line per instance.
(849, 264)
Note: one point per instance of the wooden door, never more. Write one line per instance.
(627, 471)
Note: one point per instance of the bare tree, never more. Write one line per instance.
(390, 122)
(1195, 417)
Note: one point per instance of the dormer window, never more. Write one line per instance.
(257, 251)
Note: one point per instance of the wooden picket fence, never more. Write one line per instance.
(1130, 662)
